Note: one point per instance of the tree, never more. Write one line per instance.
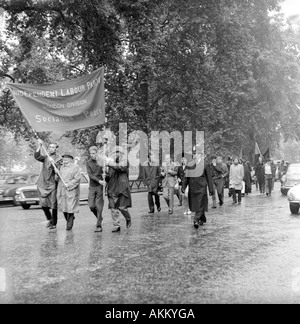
(223, 66)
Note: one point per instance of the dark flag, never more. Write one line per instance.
(267, 154)
(257, 153)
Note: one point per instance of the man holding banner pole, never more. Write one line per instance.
(96, 174)
(47, 185)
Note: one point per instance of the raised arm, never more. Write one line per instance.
(38, 155)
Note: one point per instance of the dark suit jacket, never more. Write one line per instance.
(151, 177)
(181, 174)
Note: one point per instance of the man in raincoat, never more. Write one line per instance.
(118, 188)
(47, 184)
(68, 191)
(199, 179)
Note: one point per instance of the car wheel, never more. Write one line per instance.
(26, 207)
(294, 208)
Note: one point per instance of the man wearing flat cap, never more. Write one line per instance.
(96, 199)
(68, 191)
(118, 189)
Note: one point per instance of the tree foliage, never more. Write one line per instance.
(227, 67)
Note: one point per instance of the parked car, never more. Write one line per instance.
(13, 183)
(291, 178)
(5, 176)
(27, 196)
(294, 199)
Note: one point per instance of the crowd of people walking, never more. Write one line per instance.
(192, 181)
(193, 192)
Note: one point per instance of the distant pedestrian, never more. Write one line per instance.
(274, 170)
(47, 184)
(236, 177)
(268, 177)
(219, 173)
(247, 178)
(169, 174)
(281, 169)
(259, 173)
(118, 188)
(96, 199)
(228, 164)
(198, 178)
(68, 192)
(181, 177)
(151, 177)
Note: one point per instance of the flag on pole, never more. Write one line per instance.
(63, 106)
(266, 155)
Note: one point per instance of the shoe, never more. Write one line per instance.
(196, 225)
(98, 229)
(203, 219)
(214, 207)
(170, 212)
(189, 212)
(234, 203)
(128, 223)
(221, 203)
(116, 229)
(151, 212)
(201, 223)
(179, 205)
(52, 227)
(185, 213)
(159, 210)
(49, 224)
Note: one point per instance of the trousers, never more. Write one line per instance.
(96, 203)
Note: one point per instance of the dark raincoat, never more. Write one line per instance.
(198, 197)
(47, 184)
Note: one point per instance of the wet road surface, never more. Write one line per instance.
(244, 254)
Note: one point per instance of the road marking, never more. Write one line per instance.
(2, 280)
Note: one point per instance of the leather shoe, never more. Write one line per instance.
(98, 229)
(128, 223)
(196, 225)
(116, 229)
(151, 212)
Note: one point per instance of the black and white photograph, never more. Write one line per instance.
(149, 154)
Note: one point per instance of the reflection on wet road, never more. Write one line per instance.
(245, 254)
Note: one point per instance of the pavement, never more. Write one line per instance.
(244, 254)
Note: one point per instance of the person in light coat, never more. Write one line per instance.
(68, 191)
(236, 180)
